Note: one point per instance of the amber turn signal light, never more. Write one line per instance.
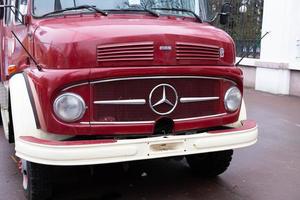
(11, 69)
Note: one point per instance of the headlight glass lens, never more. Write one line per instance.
(233, 99)
(69, 107)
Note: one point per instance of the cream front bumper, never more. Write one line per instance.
(109, 151)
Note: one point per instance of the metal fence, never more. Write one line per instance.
(245, 24)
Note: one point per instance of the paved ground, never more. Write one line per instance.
(270, 170)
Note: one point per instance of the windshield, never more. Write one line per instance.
(42, 7)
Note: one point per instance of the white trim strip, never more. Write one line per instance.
(122, 123)
(161, 77)
(197, 118)
(197, 99)
(73, 86)
(122, 102)
(152, 122)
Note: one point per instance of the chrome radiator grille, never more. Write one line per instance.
(129, 99)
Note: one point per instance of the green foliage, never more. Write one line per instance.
(244, 27)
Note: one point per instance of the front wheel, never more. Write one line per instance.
(36, 181)
(210, 164)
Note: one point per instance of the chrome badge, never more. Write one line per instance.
(222, 52)
(163, 99)
(165, 48)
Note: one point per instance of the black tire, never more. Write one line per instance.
(210, 164)
(39, 185)
(1, 122)
(11, 134)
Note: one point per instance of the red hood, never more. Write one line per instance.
(72, 42)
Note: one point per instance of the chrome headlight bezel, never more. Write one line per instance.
(233, 92)
(81, 107)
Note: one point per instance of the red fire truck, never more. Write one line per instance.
(88, 82)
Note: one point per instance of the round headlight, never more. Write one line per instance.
(69, 107)
(233, 99)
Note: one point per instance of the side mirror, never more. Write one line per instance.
(224, 15)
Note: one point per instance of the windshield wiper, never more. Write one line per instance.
(180, 10)
(137, 10)
(76, 8)
(150, 11)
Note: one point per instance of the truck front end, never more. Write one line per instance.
(128, 80)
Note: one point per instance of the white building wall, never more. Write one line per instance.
(281, 19)
(280, 50)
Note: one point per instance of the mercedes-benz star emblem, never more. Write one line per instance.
(163, 99)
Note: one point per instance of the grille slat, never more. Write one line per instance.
(191, 51)
(195, 58)
(197, 55)
(125, 52)
(197, 52)
(124, 56)
(123, 59)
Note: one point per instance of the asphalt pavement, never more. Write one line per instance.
(269, 170)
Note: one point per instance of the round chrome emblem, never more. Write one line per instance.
(163, 99)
